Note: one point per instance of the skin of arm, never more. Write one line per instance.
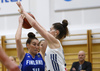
(45, 34)
(20, 49)
(7, 62)
(43, 49)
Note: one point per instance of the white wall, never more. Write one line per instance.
(80, 20)
(9, 23)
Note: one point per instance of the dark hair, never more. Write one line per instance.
(62, 28)
(31, 36)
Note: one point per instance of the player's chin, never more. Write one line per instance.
(36, 51)
(81, 59)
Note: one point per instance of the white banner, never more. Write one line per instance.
(75, 4)
(10, 6)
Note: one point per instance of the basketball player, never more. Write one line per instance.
(33, 60)
(54, 58)
(7, 62)
(43, 44)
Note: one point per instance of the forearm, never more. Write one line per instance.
(20, 50)
(5, 60)
(30, 19)
(19, 32)
(3, 56)
(41, 26)
(11, 66)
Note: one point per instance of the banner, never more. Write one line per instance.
(75, 4)
(10, 6)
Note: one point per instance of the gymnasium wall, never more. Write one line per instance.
(90, 44)
(0, 62)
(92, 49)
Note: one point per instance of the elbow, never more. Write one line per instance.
(17, 38)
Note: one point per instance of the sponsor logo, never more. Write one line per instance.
(68, 0)
(7, 1)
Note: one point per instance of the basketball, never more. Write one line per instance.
(26, 24)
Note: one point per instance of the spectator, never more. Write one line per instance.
(81, 65)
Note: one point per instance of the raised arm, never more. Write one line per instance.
(7, 62)
(43, 48)
(45, 34)
(20, 50)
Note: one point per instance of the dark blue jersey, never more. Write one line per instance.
(32, 64)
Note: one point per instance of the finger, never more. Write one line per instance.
(22, 16)
(18, 3)
(20, 11)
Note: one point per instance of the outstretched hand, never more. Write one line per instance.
(21, 10)
(21, 19)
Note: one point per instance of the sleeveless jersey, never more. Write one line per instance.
(54, 59)
(32, 64)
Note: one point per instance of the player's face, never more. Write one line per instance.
(41, 45)
(81, 56)
(52, 31)
(34, 46)
(12, 59)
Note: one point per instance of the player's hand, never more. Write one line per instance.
(21, 19)
(73, 69)
(21, 10)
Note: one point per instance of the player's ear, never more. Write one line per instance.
(28, 46)
(57, 32)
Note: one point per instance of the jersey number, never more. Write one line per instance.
(55, 64)
(36, 69)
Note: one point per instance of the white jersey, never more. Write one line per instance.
(54, 59)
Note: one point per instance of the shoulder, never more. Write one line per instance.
(75, 63)
(39, 55)
(27, 54)
(88, 63)
(54, 44)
